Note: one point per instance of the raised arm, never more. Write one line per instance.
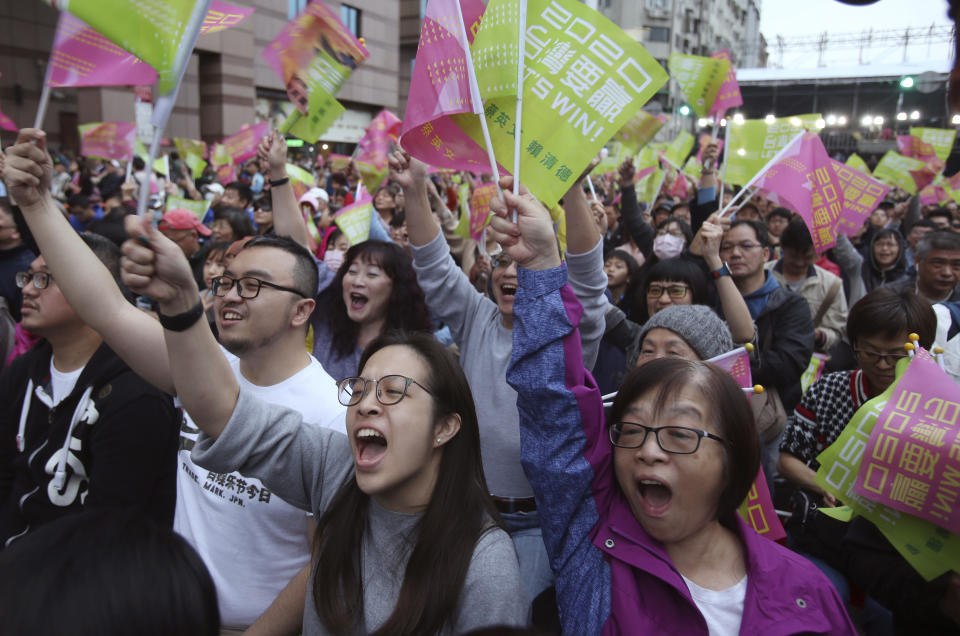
(154, 266)
(707, 244)
(287, 220)
(411, 175)
(640, 231)
(85, 282)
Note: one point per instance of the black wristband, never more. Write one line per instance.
(279, 182)
(182, 322)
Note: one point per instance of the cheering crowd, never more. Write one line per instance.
(415, 433)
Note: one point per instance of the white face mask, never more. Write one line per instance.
(668, 246)
(333, 258)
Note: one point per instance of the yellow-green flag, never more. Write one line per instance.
(895, 169)
(354, 220)
(220, 156)
(753, 143)
(692, 168)
(322, 110)
(940, 138)
(196, 164)
(931, 550)
(678, 149)
(197, 207)
(153, 30)
(585, 78)
(190, 146)
(700, 79)
(638, 131)
(856, 162)
(463, 226)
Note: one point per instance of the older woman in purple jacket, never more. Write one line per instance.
(639, 514)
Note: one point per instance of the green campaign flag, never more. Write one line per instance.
(616, 154)
(199, 208)
(196, 164)
(296, 173)
(494, 48)
(638, 131)
(649, 186)
(190, 146)
(700, 79)
(585, 78)
(753, 143)
(940, 138)
(463, 227)
(895, 169)
(323, 109)
(678, 149)
(930, 549)
(692, 168)
(354, 220)
(153, 30)
(857, 163)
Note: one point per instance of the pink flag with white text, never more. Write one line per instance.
(108, 140)
(243, 145)
(81, 56)
(221, 16)
(441, 87)
(729, 95)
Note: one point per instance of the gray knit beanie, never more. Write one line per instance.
(698, 325)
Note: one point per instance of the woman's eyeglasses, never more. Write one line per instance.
(674, 291)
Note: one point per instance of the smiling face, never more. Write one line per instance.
(395, 449)
(672, 496)
(366, 291)
(886, 250)
(248, 324)
(504, 278)
(212, 267)
(663, 299)
(384, 200)
(221, 231)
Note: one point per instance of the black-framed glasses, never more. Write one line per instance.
(390, 389)
(501, 259)
(679, 440)
(247, 287)
(40, 279)
(674, 291)
(873, 357)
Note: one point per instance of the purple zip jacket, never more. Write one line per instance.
(613, 578)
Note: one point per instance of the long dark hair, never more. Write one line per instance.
(459, 513)
(407, 307)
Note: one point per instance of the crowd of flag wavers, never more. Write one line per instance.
(532, 360)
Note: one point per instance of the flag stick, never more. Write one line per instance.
(763, 170)
(44, 98)
(593, 192)
(517, 134)
(722, 174)
(144, 197)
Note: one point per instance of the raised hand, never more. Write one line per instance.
(628, 172)
(407, 171)
(531, 240)
(154, 266)
(26, 167)
(273, 150)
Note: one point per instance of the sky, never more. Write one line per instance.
(783, 17)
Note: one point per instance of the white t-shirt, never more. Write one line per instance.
(722, 609)
(252, 542)
(62, 383)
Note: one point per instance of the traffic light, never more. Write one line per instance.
(685, 110)
(907, 82)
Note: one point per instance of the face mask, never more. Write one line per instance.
(668, 246)
(333, 258)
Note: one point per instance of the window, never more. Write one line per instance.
(350, 16)
(295, 7)
(658, 34)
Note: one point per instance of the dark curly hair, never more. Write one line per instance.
(406, 309)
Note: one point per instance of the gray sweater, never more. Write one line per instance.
(485, 346)
(306, 467)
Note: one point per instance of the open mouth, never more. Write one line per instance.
(655, 495)
(358, 301)
(371, 446)
(228, 315)
(508, 289)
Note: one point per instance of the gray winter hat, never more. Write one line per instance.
(698, 325)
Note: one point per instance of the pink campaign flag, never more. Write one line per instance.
(803, 181)
(737, 364)
(729, 95)
(680, 187)
(440, 87)
(912, 459)
(243, 145)
(861, 194)
(83, 57)
(7, 124)
(480, 208)
(226, 174)
(912, 146)
(932, 195)
(109, 139)
(373, 148)
(221, 16)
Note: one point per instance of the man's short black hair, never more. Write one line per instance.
(78, 200)
(242, 189)
(305, 277)
(796, 236)
(763, 237)
(781, 212)
(940, 212)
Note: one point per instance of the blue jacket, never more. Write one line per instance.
(612, 577)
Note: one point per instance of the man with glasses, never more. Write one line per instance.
(784, 337)
(252, 542)
(15, 257)
(78, 428)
